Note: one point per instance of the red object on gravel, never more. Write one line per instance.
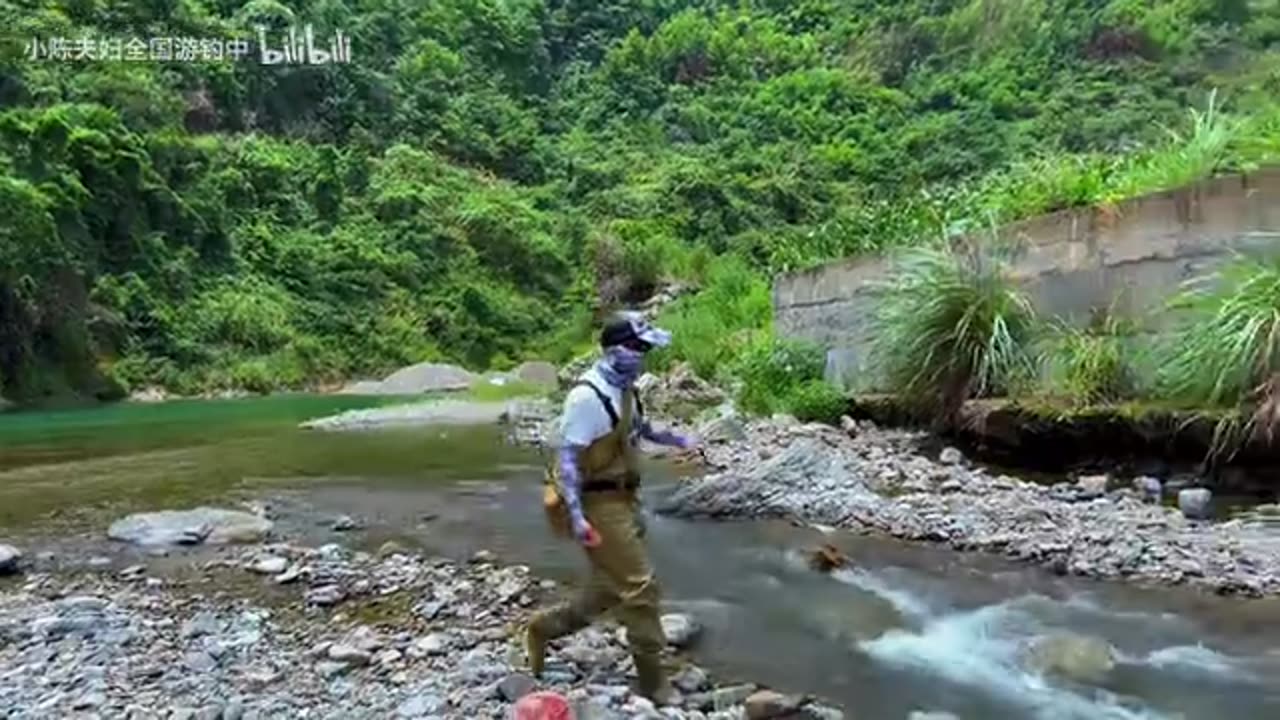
(542, 706)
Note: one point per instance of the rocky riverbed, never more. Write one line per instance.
(864, 478)
(276, 630)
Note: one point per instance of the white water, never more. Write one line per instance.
(983, 649)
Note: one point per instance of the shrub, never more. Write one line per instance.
(1090, 365)
(948, 326)
(713, 327)
(816, 401)
(772, 371)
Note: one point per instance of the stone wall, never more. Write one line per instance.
(1132, 257)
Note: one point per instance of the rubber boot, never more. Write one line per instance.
(652, 682)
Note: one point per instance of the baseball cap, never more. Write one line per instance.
(630, 326)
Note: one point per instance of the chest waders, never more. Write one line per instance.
(621, 579)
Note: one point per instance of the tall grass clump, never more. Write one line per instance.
(1226, 352)
(1090, 365)
(951, 325)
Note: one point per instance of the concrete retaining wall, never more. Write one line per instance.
(1133, 257)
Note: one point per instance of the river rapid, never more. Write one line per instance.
(905, 628)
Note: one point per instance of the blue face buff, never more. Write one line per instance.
(621, 366)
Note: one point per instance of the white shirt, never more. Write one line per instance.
(585, 420)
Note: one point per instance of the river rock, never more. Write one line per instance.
(344, 523)
(1092, 486)
(420, 705)
(727, 428)
(190, 527)
(1195, 503)
(951, 456)
(1149, 488)
(680, 629)
(849, 426)
(325, 595)
(348, 654)
(770, 705)
(1079, 658)
(722, 697)
(270, 565)
(691, 679)
(515, 686)
(10, 557)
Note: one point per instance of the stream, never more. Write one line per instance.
(909, 628)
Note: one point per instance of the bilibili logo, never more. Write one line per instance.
(302, 48)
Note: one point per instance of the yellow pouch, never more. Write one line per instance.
(557, 513)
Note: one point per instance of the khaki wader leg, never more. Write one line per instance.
(621, 580)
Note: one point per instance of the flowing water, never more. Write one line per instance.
(909, 628)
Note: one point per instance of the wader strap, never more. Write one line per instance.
(608, 404)
(604, 400)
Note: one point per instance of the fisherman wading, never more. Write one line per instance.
(591, 495)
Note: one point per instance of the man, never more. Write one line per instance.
(591, 495)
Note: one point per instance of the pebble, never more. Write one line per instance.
(767, 704)
(681, 630)
(1092, 486)
(344, 523)
(1149, 488)
(325, 595)
(515, 686)
(690, 679)
(349, 655)
(269, 566)
(420, 705)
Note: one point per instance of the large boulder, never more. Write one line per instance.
(10, 558)
(541, 374)
(427, 377)
(190, 527)
(1079, 658)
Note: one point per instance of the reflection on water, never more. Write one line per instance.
(908, 628)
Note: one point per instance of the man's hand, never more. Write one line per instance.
(586, 534)
(691, 449)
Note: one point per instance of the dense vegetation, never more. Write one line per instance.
(485, 174)
(953, 324)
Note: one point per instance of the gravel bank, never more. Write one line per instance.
(869, 479)
(279, 631)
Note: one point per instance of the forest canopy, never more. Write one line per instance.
(484, 175)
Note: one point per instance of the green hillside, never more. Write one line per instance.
(484, 174)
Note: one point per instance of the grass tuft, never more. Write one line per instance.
(951, 325)
(1226, 351)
